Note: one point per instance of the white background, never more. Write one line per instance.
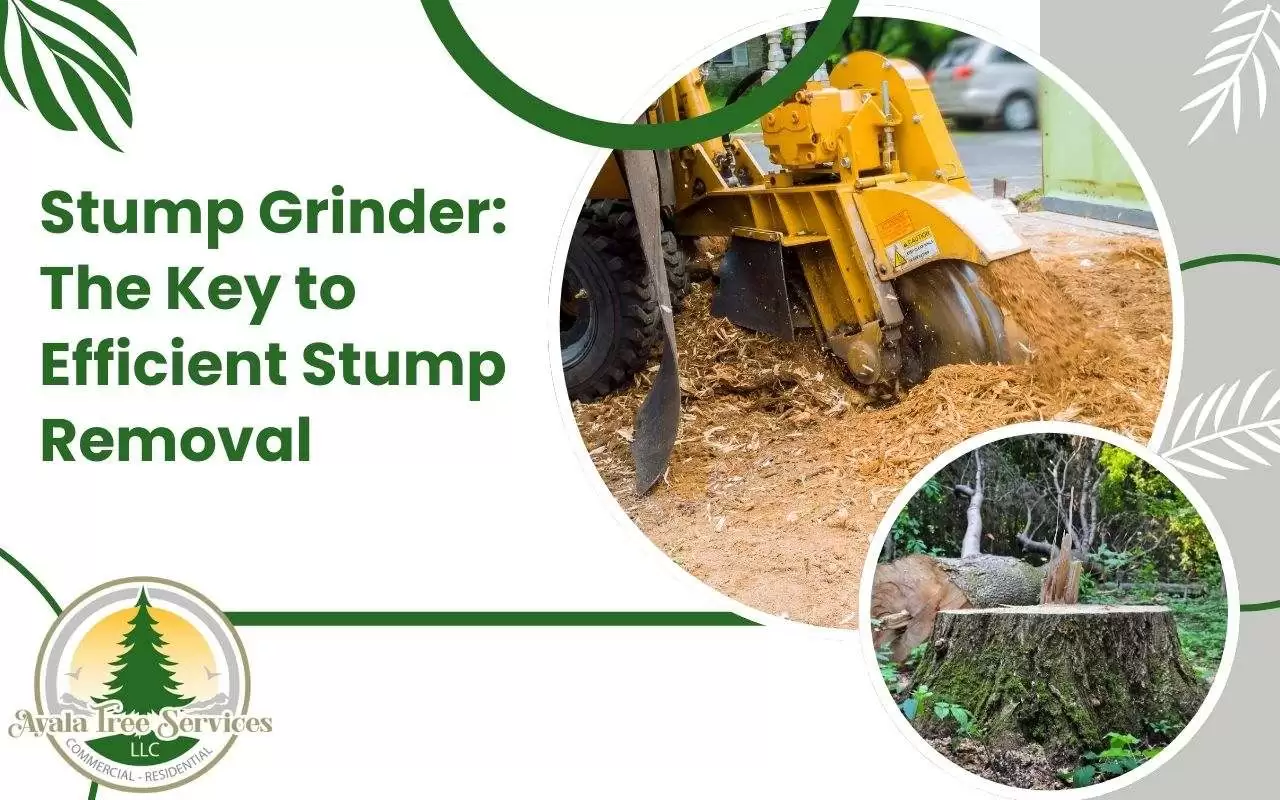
(415, 498)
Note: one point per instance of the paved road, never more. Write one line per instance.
(986, 155)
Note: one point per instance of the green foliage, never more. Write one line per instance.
(965, 725)
(1139, 496)
(1202, 629)
(1164, 728)
(911, 532)
(1113, 561)
(895, 677)
(1088, 588)
(888, 668)
(918, 699)
(1119, 756)
(919, 42)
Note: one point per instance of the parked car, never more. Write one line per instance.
(975, 81)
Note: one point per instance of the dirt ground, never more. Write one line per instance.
(782, 470)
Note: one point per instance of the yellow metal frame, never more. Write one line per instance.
(865, 184)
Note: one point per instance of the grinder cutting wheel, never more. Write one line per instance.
(869, 232)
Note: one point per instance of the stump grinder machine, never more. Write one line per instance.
(865, 229)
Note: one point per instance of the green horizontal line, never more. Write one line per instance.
(516, 619)
(1221, 258)
(1268, 606)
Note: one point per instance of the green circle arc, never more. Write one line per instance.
(626, 136)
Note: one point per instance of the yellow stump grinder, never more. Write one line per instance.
(865, 228)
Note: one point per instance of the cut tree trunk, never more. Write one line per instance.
(909, 592)
(1062, 676)
(1062, 576)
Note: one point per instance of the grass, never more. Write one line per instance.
(1029, 201)
(1202, 628)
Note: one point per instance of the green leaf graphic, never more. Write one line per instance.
(94, 43)
(46, 102)
(107, 17)
(84, 102)
(113, 91)
(83, 60)
(5, 77)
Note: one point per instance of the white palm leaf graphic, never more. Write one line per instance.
(1241, 48)
(1224, 437)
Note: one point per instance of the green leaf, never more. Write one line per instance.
(5, 77)
(41, 92)
(109, 87)
(1083, 776)
(94, 43)
(941, 710)
(1151, 752)
(1114, 752)
(107, 17)
(1112, 768)
(961, 716)
(84, 102)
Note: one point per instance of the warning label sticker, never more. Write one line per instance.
(895, 226)
(911, 250)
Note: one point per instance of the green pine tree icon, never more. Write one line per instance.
(142, 680)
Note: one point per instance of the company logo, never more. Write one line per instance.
(141, 685)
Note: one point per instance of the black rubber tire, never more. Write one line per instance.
(622, 323)
(970, 123)
(678, 282)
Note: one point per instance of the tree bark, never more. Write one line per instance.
(1059, 676)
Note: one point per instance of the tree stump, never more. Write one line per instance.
(1062, 676)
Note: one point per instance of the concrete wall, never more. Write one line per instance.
(723, 77)
(1084, 173)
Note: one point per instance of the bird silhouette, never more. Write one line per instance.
(209, 674)
(75, 676)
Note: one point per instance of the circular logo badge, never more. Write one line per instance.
(142, 685)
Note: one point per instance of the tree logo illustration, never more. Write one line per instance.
(142, 685)
(143, 681)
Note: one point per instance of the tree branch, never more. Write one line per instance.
(1030, 544)
(971, 545)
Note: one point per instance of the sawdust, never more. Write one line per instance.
(782, 471)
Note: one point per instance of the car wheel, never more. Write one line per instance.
(1018, 113)
(970, 123)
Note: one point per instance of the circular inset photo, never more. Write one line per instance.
(1048, 611)
(766, 334)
